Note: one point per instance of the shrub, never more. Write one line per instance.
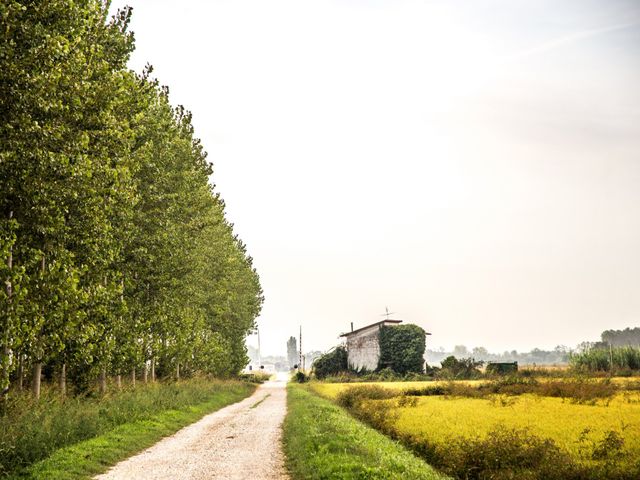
(384, 375)
(503, 454)
(463, 368)
(300, 377)
(331, 363)
(609, 447)
(352, 397)
(501, 368)
(580, 391)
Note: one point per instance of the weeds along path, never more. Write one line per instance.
(241, 441)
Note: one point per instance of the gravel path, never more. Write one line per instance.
(241, 441)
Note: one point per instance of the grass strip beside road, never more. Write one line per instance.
(90, 457)
(322, 441)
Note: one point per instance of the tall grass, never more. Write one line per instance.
(32, 430)
(616, 359)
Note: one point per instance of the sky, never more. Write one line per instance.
(472, 165)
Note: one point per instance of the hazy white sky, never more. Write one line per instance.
(473, 165)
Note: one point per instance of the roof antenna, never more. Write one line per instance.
(387, 313)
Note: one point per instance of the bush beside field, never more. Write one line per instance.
(322, 441)
(34, 430)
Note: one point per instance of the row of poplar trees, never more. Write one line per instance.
(117, 258)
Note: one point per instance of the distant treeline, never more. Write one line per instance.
(557, 356)
(622, 338)
(116, 254)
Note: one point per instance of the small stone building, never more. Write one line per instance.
(363, 345)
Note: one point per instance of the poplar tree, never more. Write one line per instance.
(116, 251)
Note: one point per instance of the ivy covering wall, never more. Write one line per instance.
(402, 348)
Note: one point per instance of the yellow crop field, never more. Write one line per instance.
(440, 418)
(331, 390)
(576, 428)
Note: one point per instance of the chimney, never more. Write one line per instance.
(352, 326)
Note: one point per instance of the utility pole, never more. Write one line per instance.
(259, 355)
(300, 350)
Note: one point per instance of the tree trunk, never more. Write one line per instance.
(62, 380)
(6, 353)
(37, 374)
(145, 373)
(20, 372)
(119, 381)
(103, 381)
(178, 371)
(133, 377)
(37, 367)
(153, 370)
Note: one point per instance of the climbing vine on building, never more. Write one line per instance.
(402, 348)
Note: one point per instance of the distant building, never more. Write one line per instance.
(257, 368)
(363, 345)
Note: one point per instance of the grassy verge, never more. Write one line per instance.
(322, 441)
(113, 428)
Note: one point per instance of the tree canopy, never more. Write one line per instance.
(117, 253)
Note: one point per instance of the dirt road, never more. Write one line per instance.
(241, 441)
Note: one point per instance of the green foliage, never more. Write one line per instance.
(352, 397)
(501, 368)
(402, 348)
(331, 363)
(463, 368)
(321, 441)
(34, 430)
(115, 249)
(616, 359)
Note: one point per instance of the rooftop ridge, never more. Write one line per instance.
(370, 325)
